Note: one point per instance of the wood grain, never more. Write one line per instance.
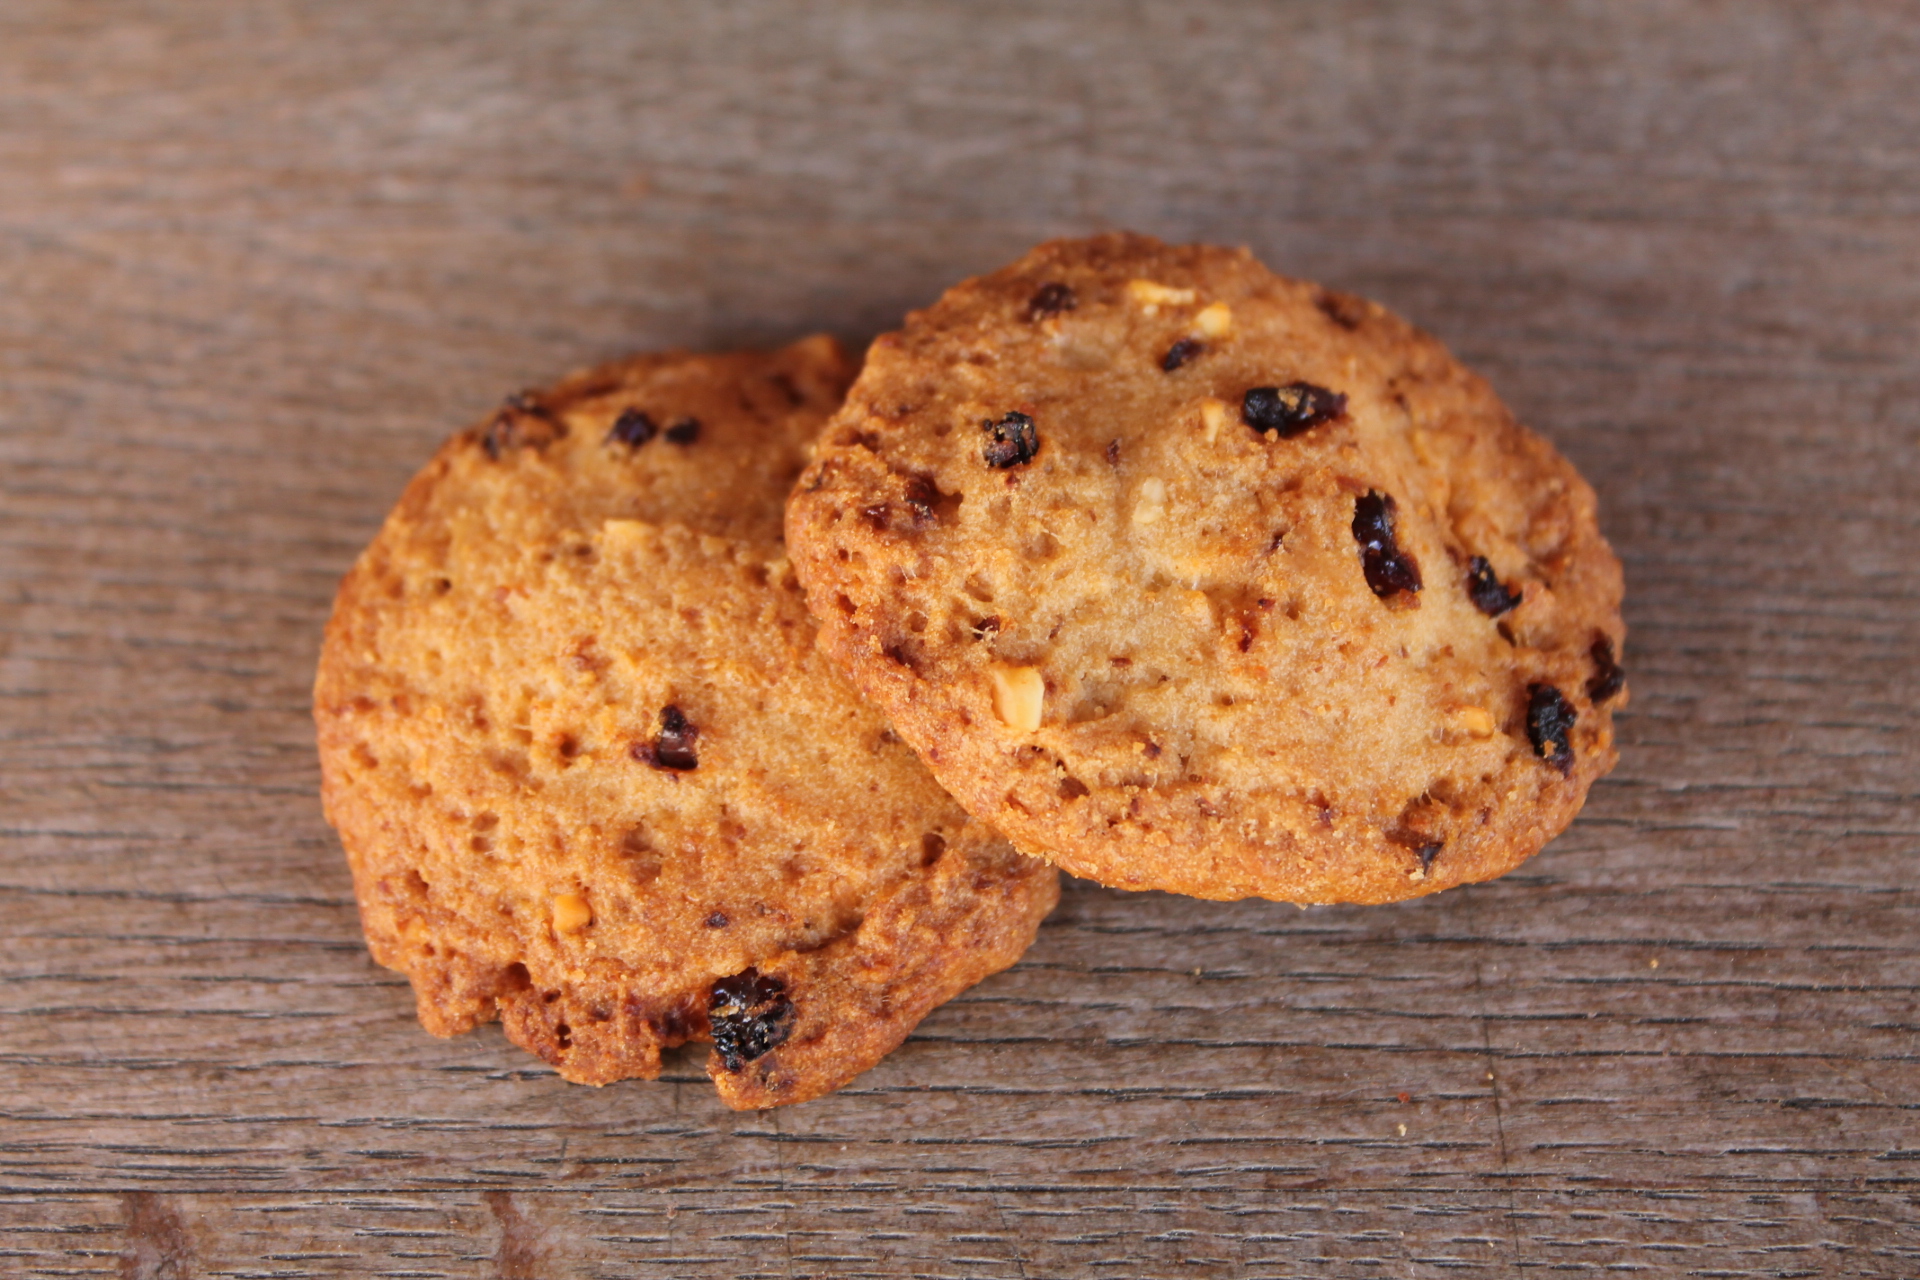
(255, 260)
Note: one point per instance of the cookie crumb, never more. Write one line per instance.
(1019, 694)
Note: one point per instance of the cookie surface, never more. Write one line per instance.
(1187, 576)
(592, 775)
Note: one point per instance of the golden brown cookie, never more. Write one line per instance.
(592, 775)
(1187, 576)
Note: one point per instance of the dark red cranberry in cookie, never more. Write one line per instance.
(1287, 411)
(1179, 353)
(1050, 300)
(1011, 441)
(674, 747)
(632, 428)
(749, 1015)
(1489, 595)
(523, 421)
(1389, 570)
(685, 431)
(1550, 720)
(1608, 678)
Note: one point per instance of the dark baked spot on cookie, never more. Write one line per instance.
(1011, 441)
(1181, 352)
(932, 846)
(876, 516)
(1072, 788)
(927, 502)
(1550, 720)
(899, 652)
(788, 388)
(749, 1015)
(1050, 300)
(1338, 307)
(684, 431)
(1608, 676)
(673, 748)
(718, 920)
(1428, 852)
(1389, 570)
(1292, 409)
(632, 428)
(1489, 595)
(1250, 621)
(1113, 453)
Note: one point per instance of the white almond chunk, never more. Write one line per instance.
(571, 913)
(1152, 502)
(1215, 321)
(1213, 416)
(1151, 296)
(1475, 721)
(1018, 695)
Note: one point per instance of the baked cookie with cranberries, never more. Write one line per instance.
(593, 776)
(1189, 576)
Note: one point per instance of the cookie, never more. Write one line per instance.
(594, 778)
(1187, 576)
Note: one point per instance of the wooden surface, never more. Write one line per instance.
(256, 259)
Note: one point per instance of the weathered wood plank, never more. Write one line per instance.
(255, 261)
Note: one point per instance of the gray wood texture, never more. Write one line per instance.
(257, 259)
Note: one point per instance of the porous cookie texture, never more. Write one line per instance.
(1188, 576)
(593, 776)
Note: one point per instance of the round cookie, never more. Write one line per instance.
(593, 777)
(1187, 576)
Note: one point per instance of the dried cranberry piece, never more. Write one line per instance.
(1292, 409)
(522, 421)
(1181, 352)
(1489, 595)
(1389, 570)
(1011, 441)
(1550, 720)
(1608, 677)
(632, 428)
(685, 431)
(673, 749)
(1051, 300)
(750, 1015)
